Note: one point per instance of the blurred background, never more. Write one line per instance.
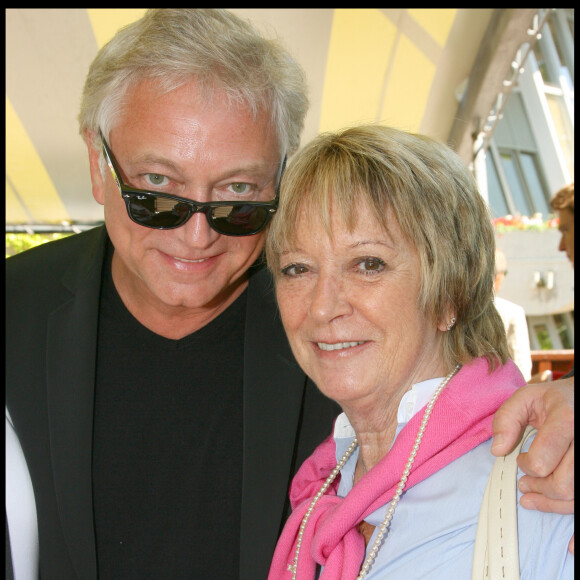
(496, 84)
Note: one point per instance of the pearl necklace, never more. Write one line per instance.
(389, 516)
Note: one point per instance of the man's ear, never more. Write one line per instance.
(97, 179)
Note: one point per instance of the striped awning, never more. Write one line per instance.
(402, 67)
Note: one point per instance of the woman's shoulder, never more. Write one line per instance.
(543, 540)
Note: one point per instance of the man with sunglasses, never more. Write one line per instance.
(150, 385)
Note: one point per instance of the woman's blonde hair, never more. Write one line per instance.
(436, 203)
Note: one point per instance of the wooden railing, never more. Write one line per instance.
(558, 361)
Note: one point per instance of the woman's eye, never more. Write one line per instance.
(371, 265)
(293, 270)
(156, 179)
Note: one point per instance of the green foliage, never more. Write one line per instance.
(16, 243)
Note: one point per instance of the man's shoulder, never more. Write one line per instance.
(45, 271)
(261, 283)
(260, 274)
(51, 257)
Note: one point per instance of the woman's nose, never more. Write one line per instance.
(329, 299)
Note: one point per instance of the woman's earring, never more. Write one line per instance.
(451, 323)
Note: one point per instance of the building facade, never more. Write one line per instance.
(527, 160)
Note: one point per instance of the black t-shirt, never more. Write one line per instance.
(167, 447)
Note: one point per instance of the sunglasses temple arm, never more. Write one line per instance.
(283, 168)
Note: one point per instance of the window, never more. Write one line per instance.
(531, 153)
(531, 175)
(497, 200)
(515, 185)
(543, 337)
(554, 332)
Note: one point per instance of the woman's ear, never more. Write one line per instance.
(447, 321)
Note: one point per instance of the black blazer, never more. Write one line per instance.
(52, 304)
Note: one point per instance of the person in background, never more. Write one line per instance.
(383, 259)
(563, 203)
(514, 321)
(156, 413)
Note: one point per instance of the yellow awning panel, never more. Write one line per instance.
(358, 56)
(15, 211)
(410, 81)
(375, 72)
(106, 21)
(436, 21)
(29, 181)
(392, 66)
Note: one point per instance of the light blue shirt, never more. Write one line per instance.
(432, 532)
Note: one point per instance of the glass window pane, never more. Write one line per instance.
(514, 130)
(543, 335)
(534, 184)
(497, 201)
(541, 62)
(516, 189)
(563, 331)
(564, 127)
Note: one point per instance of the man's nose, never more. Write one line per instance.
(198, 232)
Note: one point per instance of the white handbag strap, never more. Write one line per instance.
(496, 542)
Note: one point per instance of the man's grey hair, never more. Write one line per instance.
(217, 49)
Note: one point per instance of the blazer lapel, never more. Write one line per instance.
(273, 391)
(71, 358)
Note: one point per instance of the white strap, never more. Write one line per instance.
(496, 542)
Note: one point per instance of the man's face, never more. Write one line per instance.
(567, 230)
(172, 143)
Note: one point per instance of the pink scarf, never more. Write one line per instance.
(461, 419)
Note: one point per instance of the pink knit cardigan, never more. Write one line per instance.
(461, 419)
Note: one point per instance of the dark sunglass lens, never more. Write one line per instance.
(239, 220)
(158, 212)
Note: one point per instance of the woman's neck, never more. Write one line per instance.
(375, 437)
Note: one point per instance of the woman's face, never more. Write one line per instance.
(349, 307)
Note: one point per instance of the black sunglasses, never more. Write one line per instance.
(162, 211)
